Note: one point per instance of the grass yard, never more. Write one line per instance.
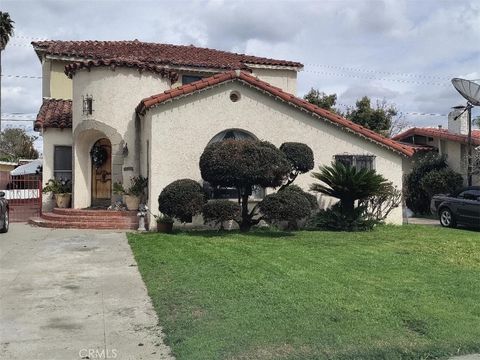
(410, 292)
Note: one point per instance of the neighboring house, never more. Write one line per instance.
(151, 109)
(451, 142)
(5, 168)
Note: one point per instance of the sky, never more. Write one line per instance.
(402, 51)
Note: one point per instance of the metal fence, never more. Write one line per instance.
(24, 195)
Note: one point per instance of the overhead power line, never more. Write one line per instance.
(27, 37)
(19, 45)
(336, 74)
(389, 73)
(22, 76)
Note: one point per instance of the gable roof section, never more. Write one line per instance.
(439, 133)
(54, 113)
(243, 76)
(158, 54)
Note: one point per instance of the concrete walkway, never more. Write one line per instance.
(73, 294)
(423, 221)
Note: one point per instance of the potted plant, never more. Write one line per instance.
(61, 190)
(164, 223)
(133, 195)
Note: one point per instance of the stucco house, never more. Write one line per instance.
(451, 142)
(155, 107)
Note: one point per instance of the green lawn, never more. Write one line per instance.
(410, 292)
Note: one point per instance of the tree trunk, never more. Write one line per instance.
(245, 224)
(348, 206)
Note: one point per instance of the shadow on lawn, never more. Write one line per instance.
(267, 233)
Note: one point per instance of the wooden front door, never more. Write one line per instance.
(102, 173)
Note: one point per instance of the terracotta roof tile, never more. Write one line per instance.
(157, 54)
(243, 76)
(54, 113)
(70, 69)
(439, 133)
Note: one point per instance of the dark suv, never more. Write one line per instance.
(461, 207)
(4, 213)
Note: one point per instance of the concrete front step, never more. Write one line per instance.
(87, 219)
(72, 224)
(82, 218)
(93, 213)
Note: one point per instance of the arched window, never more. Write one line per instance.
(227, 192)
(235, 134)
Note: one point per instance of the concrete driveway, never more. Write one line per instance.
(73, 294)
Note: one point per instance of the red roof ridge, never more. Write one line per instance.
(157, 53)
(155, 100)
(440, 133)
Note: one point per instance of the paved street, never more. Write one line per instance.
(73, 294)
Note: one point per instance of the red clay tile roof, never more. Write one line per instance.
(439, 133)
(70, 69)
(243, 76)
(54, 113)
(158, 54)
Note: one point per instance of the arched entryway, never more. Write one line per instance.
(101, 155)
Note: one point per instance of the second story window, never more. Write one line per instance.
(187, 79)
(87, 105)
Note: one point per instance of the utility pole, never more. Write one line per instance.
(469, 150)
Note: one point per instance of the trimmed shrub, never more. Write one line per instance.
(312, 199)
(418, 193)
(243, 164)
(441, 181)
(288, 206)
(300, 156)
(182, 199)
(218, 211)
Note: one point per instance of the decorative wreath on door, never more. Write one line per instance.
(99, 155)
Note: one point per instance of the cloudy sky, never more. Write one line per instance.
(403, 51)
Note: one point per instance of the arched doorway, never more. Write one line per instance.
(101, 156)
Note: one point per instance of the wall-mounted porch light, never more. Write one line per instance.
(125, 150)
(87, 104)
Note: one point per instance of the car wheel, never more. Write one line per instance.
(6, 222)
(446, 218)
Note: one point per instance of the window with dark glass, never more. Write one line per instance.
(62, 162)
(357, 161)
(187, 79)
(470, 195)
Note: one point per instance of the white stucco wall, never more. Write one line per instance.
(52, 138)
(115, 94)
(182, 128)
(284, 79)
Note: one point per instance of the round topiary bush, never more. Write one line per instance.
(182, 199)
(218, 211)
(243, 163)
(312, 199)
(300, 156)
(285, 206)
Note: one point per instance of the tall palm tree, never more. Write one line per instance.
(6, 32)
(347, 184)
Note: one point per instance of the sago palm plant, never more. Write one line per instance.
(347, 184)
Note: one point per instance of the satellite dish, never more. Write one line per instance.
(468, 89)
